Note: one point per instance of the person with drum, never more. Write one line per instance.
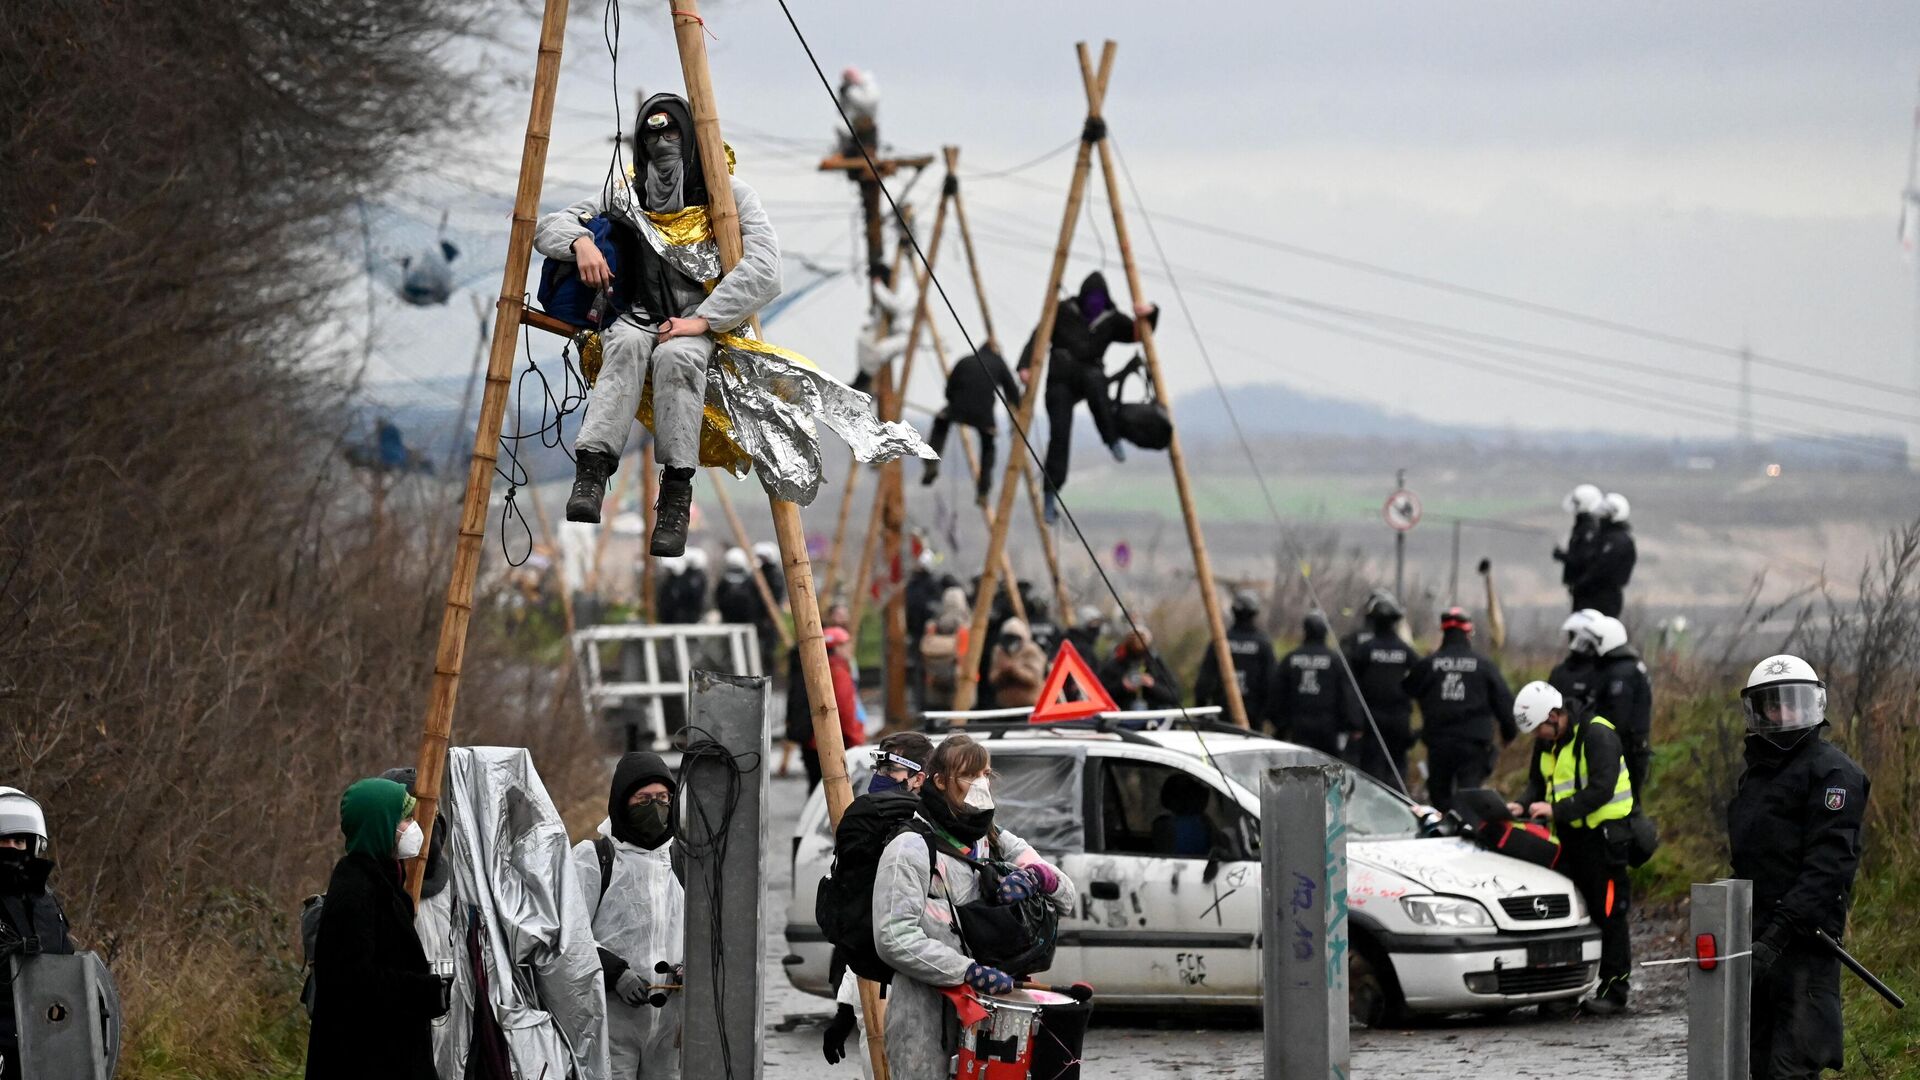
(927, 874)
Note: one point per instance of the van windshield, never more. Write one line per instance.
(1373, 810)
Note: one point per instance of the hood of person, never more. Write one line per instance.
(1094, 297)
(634, 771)
(1015, 633)
(954, 602)
(370, 814)
(694, 186)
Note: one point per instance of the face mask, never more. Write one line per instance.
(411, 841)
(664, 151)
(650, 824)
(883, 782)
(979, 796)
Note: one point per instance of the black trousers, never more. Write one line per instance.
(1454, 765)
(1588, 860)
(1796, 1016)
(1070, 382)
(944, 420)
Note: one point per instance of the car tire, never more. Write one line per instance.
(1373, 992)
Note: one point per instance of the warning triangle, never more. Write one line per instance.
(1094, 697)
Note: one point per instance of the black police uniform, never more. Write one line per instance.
(1602, 581)
(1312, 701)
(683, 597)
(1573, 677)
(29, 913)
(1623, 693)
(1462, 697)
(1794, 831)
(1253, 669)
(1380, 660)
(1575, 557)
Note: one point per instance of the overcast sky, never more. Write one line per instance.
(1726, 172)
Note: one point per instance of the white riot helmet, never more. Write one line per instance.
(674, 565)
(1585, 499)
(1583, 632)
(1533, 704)
(1611, 632)
(697, 559)
(1784, 694)
(766, 552)
(21, 816)
(1617, 507)
(736, 558)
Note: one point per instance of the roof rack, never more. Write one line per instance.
(995, 727)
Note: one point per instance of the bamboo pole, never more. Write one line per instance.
(450, 652)
(1202, 562)
(1013, 447)
(966, 687)
(745, 542)
(688, 29)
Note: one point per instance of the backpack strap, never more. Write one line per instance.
(603, 847)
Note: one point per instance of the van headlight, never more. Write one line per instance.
(1448, 913)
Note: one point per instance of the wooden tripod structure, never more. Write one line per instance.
(1093, 135)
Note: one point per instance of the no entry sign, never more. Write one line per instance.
(1402, 510)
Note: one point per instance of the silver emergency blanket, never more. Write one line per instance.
(510, 870)
(699, 260)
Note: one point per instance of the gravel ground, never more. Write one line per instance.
(1649, 1043)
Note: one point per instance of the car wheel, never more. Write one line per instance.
(1373, 994)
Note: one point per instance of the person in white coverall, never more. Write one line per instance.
(913, 910)
(639, 916)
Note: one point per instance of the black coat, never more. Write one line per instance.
(375, 997)
(1602, 581)
(683, 597)
(1078, 339)
(1579, 550)
(1574, 678)
(1163, 694)
(1380, 662)
(923, 601)
(1312, 701)
(1794, 831)
(970, 388)
(28, 909)
(1462, 694)
(738, 598)
(1253, 668)
(1623, 693)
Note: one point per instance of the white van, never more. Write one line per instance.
(1163, 844)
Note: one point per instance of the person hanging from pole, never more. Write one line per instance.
(971, 401)
(1083, 327)
(659, 341)
(883, 337)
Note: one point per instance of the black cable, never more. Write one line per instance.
(709, 850)
(1025, 165)
(1095, 129)
(550, 433)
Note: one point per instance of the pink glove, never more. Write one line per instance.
(1044, 877)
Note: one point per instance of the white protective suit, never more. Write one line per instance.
(642, 919)
(881, 344)
(913, 932)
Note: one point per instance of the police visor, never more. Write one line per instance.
(1784, 707)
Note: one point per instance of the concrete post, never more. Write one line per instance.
(1303, 892)
(726, 879)
(1719, 1011)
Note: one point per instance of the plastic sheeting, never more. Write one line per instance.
(511, 869)
(1038, 797)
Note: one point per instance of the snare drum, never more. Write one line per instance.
(1000, 1047)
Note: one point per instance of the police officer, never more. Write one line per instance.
(1584, 502)
(1380, 659)
(1623, 693)
(1602, 581)
(1578, 780)
(1253, 665)
(29, 911)
(1573, 675)
(1794, 831)
(1312, 702)
(1462, 697)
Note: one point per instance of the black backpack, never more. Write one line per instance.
(843, 903)
(1146, 424)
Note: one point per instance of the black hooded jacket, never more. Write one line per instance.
(1794, 831)
(1462, 694)
(1623, 693)
(648, 290)
(635, 770)
(970, 388)
(1083, 339)
(1603, 579)
(28, 909)
(375, 995)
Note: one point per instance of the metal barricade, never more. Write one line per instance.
(650, 680)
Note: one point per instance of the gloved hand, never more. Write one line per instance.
(834, 1043)
(446, 996)
(989, 980)
(631, 988)
(1017, 886)
(1559, 554)
(1765, 955)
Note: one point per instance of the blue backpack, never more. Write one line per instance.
(565, 297)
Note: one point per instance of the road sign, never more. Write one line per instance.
(1402, 510)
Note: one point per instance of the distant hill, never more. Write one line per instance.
(1273, 409)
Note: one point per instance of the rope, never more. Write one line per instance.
(510, 468)
(1693, 959)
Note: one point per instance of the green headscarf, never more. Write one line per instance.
(370, 813)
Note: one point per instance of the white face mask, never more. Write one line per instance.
(979, 796)
(411, 841)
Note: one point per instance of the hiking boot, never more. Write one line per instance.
(1612, 1002)
(1118, 449)
(670, 512)
(591, 469)
(929, 472)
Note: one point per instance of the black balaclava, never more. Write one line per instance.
(642, 826)
(1095, 298)
(693, 188)
(22, 873)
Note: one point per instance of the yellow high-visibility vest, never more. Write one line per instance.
(1565, 768)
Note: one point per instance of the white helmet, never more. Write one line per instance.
(1611, 632)
(697, 559)
(1585, 499)
(1617, 507)
(1571, 626)
(766, 551)
(736, 558)
(1534, 703)
(1583, 631)
(1783, 694)
(674, 565)
(21, 816)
